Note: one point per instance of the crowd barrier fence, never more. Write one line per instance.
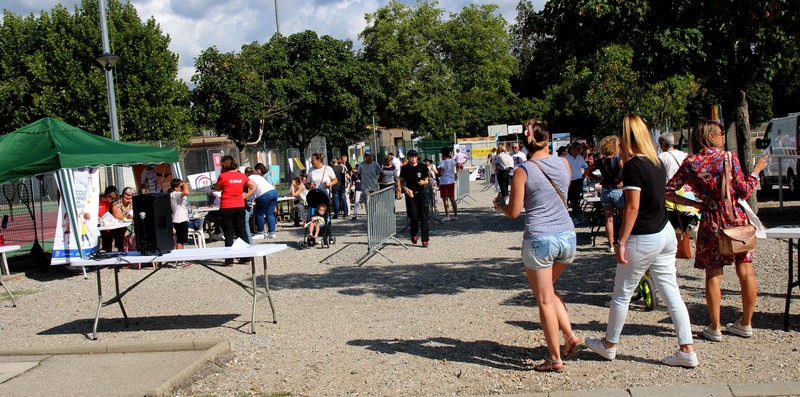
(462, 186)
(381, 223)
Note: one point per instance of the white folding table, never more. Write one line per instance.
(790, 232)
(3, 250)
(192, 254)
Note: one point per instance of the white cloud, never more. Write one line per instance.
(194, 25)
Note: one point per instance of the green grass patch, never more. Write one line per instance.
(4, 296)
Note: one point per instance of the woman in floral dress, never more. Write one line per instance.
(703, 172)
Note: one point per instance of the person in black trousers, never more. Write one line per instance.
(413, 182)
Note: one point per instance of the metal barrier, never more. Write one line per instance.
(381, 223)
(462, 186)
(488, 171)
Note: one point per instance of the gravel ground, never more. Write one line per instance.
(454, 319)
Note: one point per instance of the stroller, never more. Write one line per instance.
(314, 198)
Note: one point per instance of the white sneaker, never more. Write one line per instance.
(712, 334)
(272, 236)
(596, 345)
(610, 250)
(258, 236)
(745, 331)
(455, 218)
(681, 359)
(446, 219)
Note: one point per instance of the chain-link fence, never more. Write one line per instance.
(28, 209)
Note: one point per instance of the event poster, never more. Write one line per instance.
(152, 178)
(201, 181)
(86, 186)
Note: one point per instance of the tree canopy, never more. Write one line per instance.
(48, 68)
(291, 88)
(441, 76)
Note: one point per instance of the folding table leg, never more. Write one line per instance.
(99, 303)
(119, 298)
(789, 288)
(266, 289)
(13, 302)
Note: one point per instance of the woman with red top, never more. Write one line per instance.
(231, 184)
(109, 196)
(703, 171)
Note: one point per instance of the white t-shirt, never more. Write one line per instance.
(518, 158)
(576, 164)
(262, 185)
(397, 165)
(320, 176)
(179, 211)
(448, 172)
(460, 158)
(672, 160)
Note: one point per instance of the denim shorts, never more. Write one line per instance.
(612, 198)
(539, 253)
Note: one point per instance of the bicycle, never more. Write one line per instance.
(646, 291)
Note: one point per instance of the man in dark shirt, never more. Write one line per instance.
(338, 190)
(413, 183)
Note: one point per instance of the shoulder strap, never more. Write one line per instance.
(675, 158)
(560, 193)
(726, 192)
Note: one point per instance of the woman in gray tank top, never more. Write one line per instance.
(548, 244)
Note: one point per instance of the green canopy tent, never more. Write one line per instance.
(50, 145)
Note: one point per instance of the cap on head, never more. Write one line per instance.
(412, 153)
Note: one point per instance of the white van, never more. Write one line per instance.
(781, 138)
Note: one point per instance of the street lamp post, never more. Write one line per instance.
(277, 23)
(107, 60)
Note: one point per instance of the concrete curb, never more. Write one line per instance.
(125, 347)
(211, 353)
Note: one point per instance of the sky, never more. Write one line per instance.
(195, 25)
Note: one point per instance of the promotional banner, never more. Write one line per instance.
(82, 190)
(201, 181)
(152, 178)
(274, 175)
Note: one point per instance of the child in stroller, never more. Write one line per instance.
(319, 220)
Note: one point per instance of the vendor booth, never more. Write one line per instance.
(52, 146)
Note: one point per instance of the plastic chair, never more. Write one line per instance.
(198, 236)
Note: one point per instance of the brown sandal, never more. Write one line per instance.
(550, 366)
(572, 349)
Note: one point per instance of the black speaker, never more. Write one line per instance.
(152, 223)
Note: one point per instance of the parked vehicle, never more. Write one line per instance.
(781, 138)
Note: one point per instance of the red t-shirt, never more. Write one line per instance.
(102, 208)
(232, 183)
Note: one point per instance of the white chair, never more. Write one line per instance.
(198, 236)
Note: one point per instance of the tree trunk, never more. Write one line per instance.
(743, 142)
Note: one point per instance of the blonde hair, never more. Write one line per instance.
(636, 139)
(539, 137)
(609, 146)
(702, 135)
(502, 149)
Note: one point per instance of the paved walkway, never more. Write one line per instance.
(155, 369)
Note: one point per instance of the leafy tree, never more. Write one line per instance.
(595, 94)
(730, 46)
(48, 68)
(439, 76)
(292, 88)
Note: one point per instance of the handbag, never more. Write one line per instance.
(684, 246)
(492, 178)
(684, 242)
(734, 240)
